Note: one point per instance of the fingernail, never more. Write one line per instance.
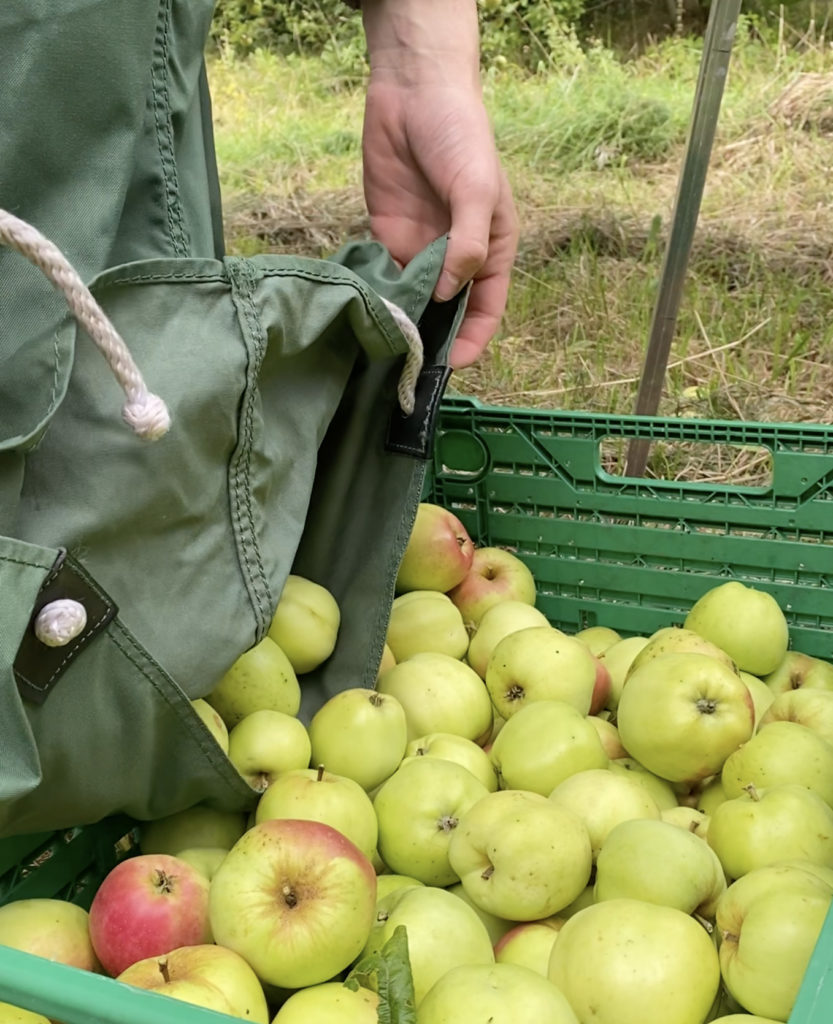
(447, 287)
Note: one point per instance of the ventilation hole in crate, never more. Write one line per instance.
(461, 454)
(699, 462)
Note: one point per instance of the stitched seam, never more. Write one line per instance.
(164, 132)
(23, 561)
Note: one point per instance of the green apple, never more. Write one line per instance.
(212, 721)
(519, 856)
(49, 928)
(496, 926)
(625, 961)
(425, 620)
(314, 794)
(544, 743)
(598, 638)
(196, 826)
(261, 677)
(586, 898)
(459, 749)
(440, 694)
(660, 790)
(763, 827)
(360, 733)
(618, 659)
(418, 809)
(540, 663)
(386, 883)
(711, 795)
(746, 623)
(500, 993)
(761, 694)
(529, 944)
(495, 575)
(16, 1015)
(689, 818)
(333, 1002)
(305, 624)
(603, 799)
(206, 859)
(609, 735)
(439, 551)
(296, 899)
(266, 743)
(206, 975)
(443, 932)
(658, 862)
(768, 923)
(387, 661)
(781, 752)
(813, 708)
(676, 640)
(744, 1018)
(797, 671)
(498, 622)
(681, 715)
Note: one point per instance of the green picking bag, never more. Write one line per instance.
(288, 450)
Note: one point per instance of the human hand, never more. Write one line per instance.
(430, 161)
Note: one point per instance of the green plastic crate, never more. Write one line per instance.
(632, 554)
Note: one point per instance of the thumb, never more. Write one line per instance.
(472, 209)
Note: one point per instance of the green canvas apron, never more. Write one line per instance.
(287, 450)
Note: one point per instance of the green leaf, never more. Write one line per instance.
(388, 973)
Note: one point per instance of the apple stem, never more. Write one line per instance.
(752, 791)
(319, 777)
(488, 872)
(704, 922)
(163, 969)
(376, 699)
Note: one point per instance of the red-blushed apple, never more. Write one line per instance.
(146, 906)
(529, 944)
(196, 826)
(206, 975)
(747, 623)
(602, 686)
(500, 993)
(499, 621)
(262, 677)
(50, 928)
(609, 735)
(813, 708)
(360, 733)
(16, 1015)
(424, 620)
(305, 623)
(296, 899)
(495, 575)
(798, 671)
(625, 961)
(438, 554)
(332, 1002)
(681, 715)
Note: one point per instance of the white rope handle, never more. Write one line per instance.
(413, 361)
(144, 412)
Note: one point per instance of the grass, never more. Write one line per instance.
(594, 151)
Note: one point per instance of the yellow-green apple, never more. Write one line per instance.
(266, 743)
(498, 622)
(314, 794)
(711, 795)
(501, 993)
(425, 620)
(677, 640)
(781, 752)
(146, 906)
(386, 883)
(529, 944)
(17, 1015)
(660, 790)
(206, 859)
(681, 715)
(439, 693)
(296, 899)
(495, 575)
(261, 677)
(418, 809)
(513, 828)
(658, 862)
(603, 799)
(813, 708)
(761, 694)
(540, 663)
(206, 975)
(586, 898)
(360, 733)
(598, 638)
(443, 932)
(439, 551)
(195, 826)
(690, 818)
(764, 826)
(768, 924)
(333, 1002)
(495, 926)
(387, 661)
(626, 961)
(456, 748)
(212, 721)
(609, 735)
(618, 659)
(305, 623)
(798, 670)
(49, 928)
(747, 623)
(744, 1018)
(544, 743)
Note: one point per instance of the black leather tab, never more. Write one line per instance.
(414, 434)
(38, 667)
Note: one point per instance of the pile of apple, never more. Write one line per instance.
(570, 829)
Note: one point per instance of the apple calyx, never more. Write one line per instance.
(289, 896)
(706, 705)
(260, 782)
(163, 969)
(163, 882)
(447, 823)
(515, 692)
(752, 791)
